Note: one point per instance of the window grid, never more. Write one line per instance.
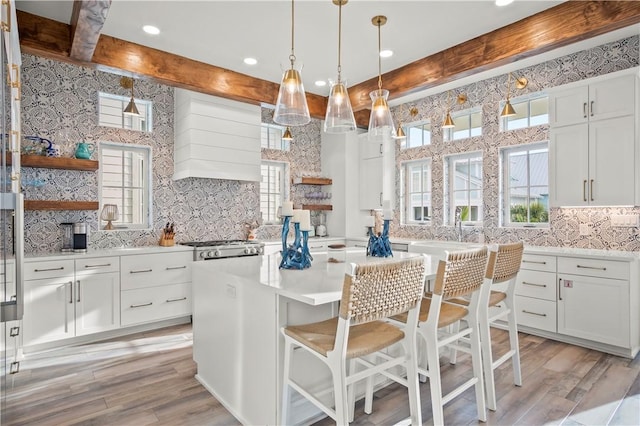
(465, 187)
(468, 124)
(532, 110)
(110, 113)
(272, 190)
(526, 185)
(418, 134)
(416, 197)
(271, 137)
(124, 181)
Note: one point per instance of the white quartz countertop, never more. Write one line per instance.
(319, 284)
(120, 251)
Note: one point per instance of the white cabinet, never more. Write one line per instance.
(594, 300)
(155, 287)
(65, 299)
(593, 152)
(536, 292)
(377, 172)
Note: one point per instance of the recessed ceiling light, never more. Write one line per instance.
(250, 61)
(321, 83)
(150, 29)
(503, 2)
(386, 53)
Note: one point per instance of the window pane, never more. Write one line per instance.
(539, 161)
(110, 113)
(417, 135)
(539, 111)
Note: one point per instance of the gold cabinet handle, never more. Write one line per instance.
(6, 26)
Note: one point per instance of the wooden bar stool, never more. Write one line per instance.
(461, 274)
(371, 293)
(503, 267)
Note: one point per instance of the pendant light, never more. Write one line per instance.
(339, 117)
(508, 110)
(380, 121)
(291, 106)
(131, 109)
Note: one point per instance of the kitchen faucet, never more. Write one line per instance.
(458, 222)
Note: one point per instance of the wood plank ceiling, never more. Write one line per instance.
(81, 43)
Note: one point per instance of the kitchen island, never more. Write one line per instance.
(239, 306)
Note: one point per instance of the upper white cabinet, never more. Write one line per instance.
(216, 138)
(377, 171)
(594, 150)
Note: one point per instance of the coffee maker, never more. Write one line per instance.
(80, 237)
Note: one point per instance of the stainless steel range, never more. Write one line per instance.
(207, 250)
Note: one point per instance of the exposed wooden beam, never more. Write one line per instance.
(87, 20)
(558, 26)
(48, 38)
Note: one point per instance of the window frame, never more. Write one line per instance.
(285, 145)
(147, 192)
(284, 190)
(505, 195)
(405, 143)
(141, 104)
(405, 194)
(450, 188)
(518, 101)
(448, 134)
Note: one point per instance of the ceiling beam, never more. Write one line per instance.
(87, 20)
(45, 37)
(555, 27)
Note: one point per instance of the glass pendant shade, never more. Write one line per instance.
(448, 122)
(339, 117)
(380, 121)
(291, 106)
(508, 110)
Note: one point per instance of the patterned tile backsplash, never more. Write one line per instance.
(59, 96)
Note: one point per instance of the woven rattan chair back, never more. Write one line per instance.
(380, 290)
(462, 273)
(504, 264)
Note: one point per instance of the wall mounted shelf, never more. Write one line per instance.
(60, 205)
(43, 162)
(317, 207)
(309, 180)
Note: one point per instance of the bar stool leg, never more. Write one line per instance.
(286, 389)
(513, 341)
(476, 358)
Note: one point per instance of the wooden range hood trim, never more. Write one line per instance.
(553, 28)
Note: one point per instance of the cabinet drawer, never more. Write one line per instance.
(538, 262)
(317, 246)
(155, 303)
(150, 270)
(48, 269)
(97, 265)
(594, 267)
(541, 285)
(536, 313)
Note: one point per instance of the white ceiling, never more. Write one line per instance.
(222, 33)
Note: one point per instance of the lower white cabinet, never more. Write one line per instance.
(155, 287)
(70, 298)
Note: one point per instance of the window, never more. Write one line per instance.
(110, 114)
(271, 137)
(418, 134)
(464, 174)
(125, 180)
(272, 189)
(468, 123)
(416, 193)
(526, 184)
(531, 111)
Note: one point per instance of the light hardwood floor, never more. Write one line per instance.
(148, 378)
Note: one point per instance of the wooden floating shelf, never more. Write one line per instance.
(308, 180)
(60, 205)
(317, 207)
(56, 162)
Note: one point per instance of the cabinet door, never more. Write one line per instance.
(568, 168)
(594, 309)
(611, 162)
(612, 98)
(97, 299)
(569, 106)
(48, 310)
(370, 148)
(370, 193)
